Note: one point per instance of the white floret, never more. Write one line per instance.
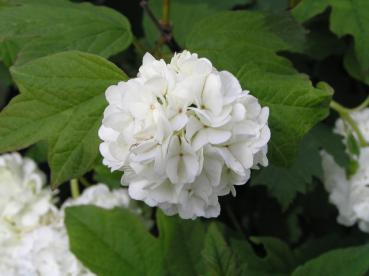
(350, 194)
(24, 201)
(33, 238)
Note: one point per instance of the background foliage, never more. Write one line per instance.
(58, 57)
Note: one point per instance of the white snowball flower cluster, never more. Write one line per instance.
(350, 194)
(43, 251)
(184, 134)
(33, 238)
(101, 196)
(24, 202)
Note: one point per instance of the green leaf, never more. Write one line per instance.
(285, 183)
(183, 14)
(352, 168)
(325, 138)
(352, 261)
(246, 43)
(270, 5)
(307, 9)
(38, 152)
(62, 100)
(112, 242)
(295, 106)
(353, 145)
(351, 17)
(347, 18)
(182, 242)
(314, 246)
(33, 29)
(278, 259)
(5, 79)
(321, 43)
(219, 259)
(353, 66)
(104, 175)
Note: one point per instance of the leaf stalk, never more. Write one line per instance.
(74, 188)
(345, 115)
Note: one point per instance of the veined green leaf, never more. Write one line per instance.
(62, 100)
(285, 183)
(33, 29)
(353, 261)
(246, 44)
(182, 242)
(112, 242)
(184, 15)
(346, 18)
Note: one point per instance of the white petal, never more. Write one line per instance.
(210, 135)
(192, 127)
(211, 95)
(148, 59)
(108, 134)
(113, 94)
(179, 121)
(231, 87)
(243, 154)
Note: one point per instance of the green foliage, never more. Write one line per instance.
(307, 9)
(285, 183)
(104, 175)
(353, 145)
(57, 114)
(237, 256)
(295, 105)
(352, 261)
(321, 43)
(33, 29)
(182, 242)
(184, 15)
(38, 152)
(62, 100)
(112, 242)
(347, 18)
(219, 258)
(116, 242)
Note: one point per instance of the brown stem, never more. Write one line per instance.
(164, 29)
(166, 13)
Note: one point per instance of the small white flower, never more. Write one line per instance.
(33, 238)
(339, 189)
(350, 194)
(100, 195)
(184, 134)
(24, 202)
(182, 161)
(43, 251)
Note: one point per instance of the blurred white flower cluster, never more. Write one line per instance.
(350, 194)
(184, 134)
(33, 239)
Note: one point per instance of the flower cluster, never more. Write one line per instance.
(23, 201)
(33, 239)
(350, 194)
(184, 134)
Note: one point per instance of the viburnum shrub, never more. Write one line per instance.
(176, 137)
